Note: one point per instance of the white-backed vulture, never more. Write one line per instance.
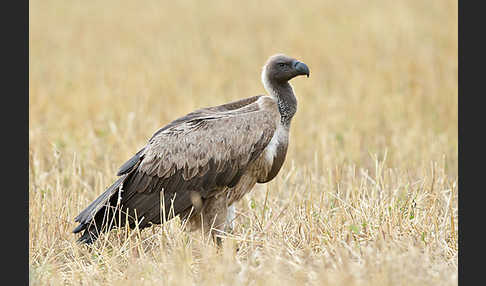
(198, 165)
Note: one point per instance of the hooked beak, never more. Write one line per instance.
(301, 68)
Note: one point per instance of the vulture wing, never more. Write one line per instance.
(201, 153)
(127, 166)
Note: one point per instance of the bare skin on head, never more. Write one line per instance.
(198, 165)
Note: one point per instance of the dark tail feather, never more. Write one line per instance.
(79, 228)
(88, 237)
(95, 210)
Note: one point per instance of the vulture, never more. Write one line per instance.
(197, 166)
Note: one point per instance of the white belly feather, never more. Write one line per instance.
(281, 133)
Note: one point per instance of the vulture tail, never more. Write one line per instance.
(95, 217)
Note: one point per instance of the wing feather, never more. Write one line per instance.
(128, 166)
(204, 154)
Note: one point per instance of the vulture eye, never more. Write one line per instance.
(281, 65)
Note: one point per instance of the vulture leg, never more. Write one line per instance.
(230, 219)
(212, 219)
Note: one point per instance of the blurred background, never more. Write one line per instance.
(371, 171)
(103, 76)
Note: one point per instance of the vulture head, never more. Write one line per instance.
(281, 68)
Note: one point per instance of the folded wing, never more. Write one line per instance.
(201, 153)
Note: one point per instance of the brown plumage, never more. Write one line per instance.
(203, 162)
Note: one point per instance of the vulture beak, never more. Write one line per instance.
(301, 68)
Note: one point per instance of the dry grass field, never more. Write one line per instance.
(367, 195)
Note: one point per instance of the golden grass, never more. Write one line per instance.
(367, 196)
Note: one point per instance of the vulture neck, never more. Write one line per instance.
(284, 94)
